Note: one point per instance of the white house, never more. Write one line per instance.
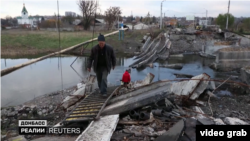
(27, 20)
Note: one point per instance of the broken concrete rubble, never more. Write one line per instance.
(100, 130)
(192, 88)
(134, 92)
(174, 133)
(138, 101)
(148, 79)
(172, 66)
(234, 121)
(80, 93)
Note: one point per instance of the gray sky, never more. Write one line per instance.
(137, 7)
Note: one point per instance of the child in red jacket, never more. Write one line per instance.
(126, 77)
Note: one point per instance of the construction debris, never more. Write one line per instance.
(140, 100)
(192, 88)
(234, 121)
(172, 66)
(83, 88)
(174, 133)
(100, 130)
(181, 75)
(158, 48)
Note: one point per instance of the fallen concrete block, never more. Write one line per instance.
(147, 80)
(205, 121)
(218, 121)
(174, 133)
(200, 113)
(234, 121)
(100, 130)
(201, 102)
(192, 88)
(71, 99)
(211, 85)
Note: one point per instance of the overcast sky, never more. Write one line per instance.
(137, 7)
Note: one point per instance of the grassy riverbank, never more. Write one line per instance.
(24, 42)
(44, 39)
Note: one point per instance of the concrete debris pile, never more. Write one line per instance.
(154, 111)
(82, 90)
(163, 109)
(152, 50)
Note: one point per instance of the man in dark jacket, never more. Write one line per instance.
(102, 58)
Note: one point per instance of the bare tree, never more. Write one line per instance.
(111, 14)
(88, 9)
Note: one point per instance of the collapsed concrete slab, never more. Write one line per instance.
(138, 90)
(152, 52)
(140, 100)
(100, 130)
(192, 88)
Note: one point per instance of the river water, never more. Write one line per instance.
(45, 76)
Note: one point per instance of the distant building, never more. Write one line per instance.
(171, 22)
(28, 21)
(69, 13)
(77, 21)
(205, 21)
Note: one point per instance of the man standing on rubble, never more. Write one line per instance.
(102, 58)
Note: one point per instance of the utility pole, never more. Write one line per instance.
(206, 18)
(164, 21)
(161, 15)
(228, 13)
(118, 21)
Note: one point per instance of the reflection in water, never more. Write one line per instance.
(45, 77)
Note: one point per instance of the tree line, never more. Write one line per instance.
(242, 25)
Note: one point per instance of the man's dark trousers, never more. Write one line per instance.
(102, 75)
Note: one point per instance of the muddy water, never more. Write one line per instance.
(45, 76)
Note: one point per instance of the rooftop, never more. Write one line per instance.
(24, 9)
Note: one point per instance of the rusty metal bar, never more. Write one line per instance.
(229, 81)
(98, 115)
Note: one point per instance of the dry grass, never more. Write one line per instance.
(43, 39)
